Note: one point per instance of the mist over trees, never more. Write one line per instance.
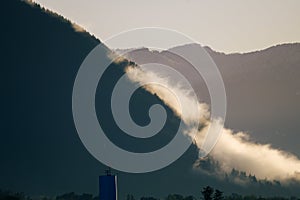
(212, 167)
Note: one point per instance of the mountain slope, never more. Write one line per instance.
(41, 152)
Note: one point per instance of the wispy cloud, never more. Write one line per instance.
(233, 150)
(77, 28)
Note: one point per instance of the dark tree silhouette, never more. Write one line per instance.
(207, 192)
(174, 197)
(130, 197)
(218, 195)
(189, 198)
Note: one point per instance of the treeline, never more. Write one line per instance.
(212, 167)
(207, 193)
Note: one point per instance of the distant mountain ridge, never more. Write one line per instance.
(285, 45)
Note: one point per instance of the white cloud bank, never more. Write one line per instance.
(233, 150)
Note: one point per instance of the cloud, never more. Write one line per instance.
(116, 57)
(233, 150)
(163, 88)
(236, 150)
(77, 28)
(30, 2)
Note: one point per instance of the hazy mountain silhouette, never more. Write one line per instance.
(263, 93)
(263, 89)
(40, 150)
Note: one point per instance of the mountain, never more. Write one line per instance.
(40, 150)
(263, 93)
(262, 89)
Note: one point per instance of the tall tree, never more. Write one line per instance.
(207, 192)
(218, 195)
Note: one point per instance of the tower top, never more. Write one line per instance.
(108, 171)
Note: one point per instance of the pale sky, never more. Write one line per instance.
(226, 26)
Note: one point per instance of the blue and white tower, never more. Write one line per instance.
(108, 186)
